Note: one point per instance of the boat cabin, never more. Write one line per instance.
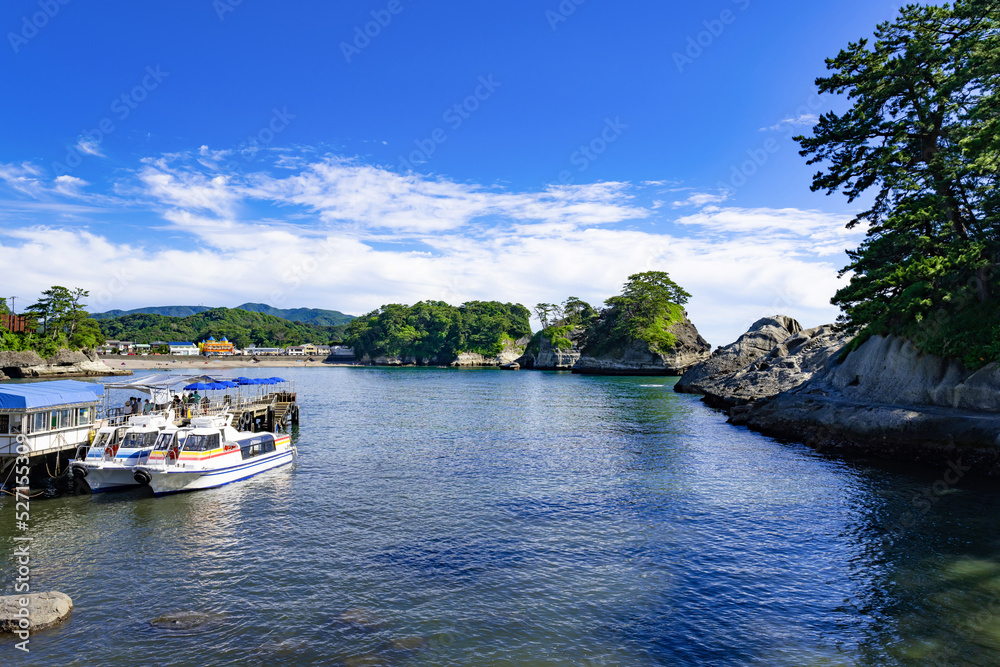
(47, 417)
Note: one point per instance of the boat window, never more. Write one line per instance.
(261, 444)
(15, 424)
(163, 440)
(83, 416)
(201, 443)
(4, 423)
(137, 440)
(40, 419)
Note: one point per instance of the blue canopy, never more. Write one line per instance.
(45, 394)
(199, 385)
(276, 379)
(243, 380)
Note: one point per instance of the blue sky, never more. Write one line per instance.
(346, 155)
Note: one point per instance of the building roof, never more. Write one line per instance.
(180, 344)
(44, 394)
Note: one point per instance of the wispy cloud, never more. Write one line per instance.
(332, 232)
(806, 119)
(704, 199)
(89, 146)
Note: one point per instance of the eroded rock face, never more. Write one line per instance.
(892, 370)
(43, 610)
(65, 363)
(794, 360)
(886, 400)
(762, 337)
(638, 359)
(549, 358)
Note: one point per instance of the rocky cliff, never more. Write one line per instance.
(65, 363)
(510, 354)
(884, 400)
(549, 358)
(773, 356)
(638, 359)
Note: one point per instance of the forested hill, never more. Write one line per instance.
(242, 327)
(317, 316)
(437, 330)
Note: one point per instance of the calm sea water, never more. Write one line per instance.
(442, 517)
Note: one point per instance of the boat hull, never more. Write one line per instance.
(174, 479)
(110, 478)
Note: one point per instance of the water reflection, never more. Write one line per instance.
(452, 518)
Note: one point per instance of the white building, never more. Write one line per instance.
(183, 349)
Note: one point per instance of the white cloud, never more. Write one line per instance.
(89, 146)
(704, 198)
(333, 233)
(806, 119)
(24, 177)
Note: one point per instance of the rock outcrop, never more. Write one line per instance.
(549, 358)
(42, 610)
(887, 400)
(511, 353)
(65, 363)
(773, 356)
(638, 359)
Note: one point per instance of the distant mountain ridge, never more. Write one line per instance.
(317, 316)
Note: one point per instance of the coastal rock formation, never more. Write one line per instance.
(510, 354)
(887, 400)
(759, 340)
(773, 356)
(42, 610)
(512, 351)
(638, 359)
(65, 363)
(549, 358)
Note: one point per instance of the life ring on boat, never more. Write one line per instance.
(109, 452)
(171, 454)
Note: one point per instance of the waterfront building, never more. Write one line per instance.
(183, 349)
(221, 347)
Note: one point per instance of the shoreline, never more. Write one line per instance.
(164, 363)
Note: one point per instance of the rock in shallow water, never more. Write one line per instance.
(43, 610)
(181, 621)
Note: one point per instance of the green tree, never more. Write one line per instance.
(649, 306)
(923, 138)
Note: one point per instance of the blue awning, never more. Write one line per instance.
(44, 394)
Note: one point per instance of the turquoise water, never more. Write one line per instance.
(443, 517)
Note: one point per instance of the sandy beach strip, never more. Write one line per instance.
(165, 363)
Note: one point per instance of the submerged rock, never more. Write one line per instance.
(41, 611)
(181, 621)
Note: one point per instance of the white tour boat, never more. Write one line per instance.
(117, 450)
(209, 453)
